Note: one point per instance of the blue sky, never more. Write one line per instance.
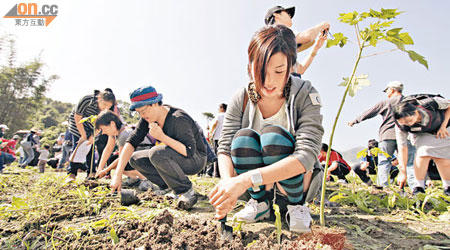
(195, 52)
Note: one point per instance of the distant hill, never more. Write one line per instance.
(350, 154)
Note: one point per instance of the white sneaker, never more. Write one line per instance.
(300, 219)
(253, 211)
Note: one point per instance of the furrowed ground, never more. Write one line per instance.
(42, 211)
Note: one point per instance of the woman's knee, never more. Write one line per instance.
(247, 139)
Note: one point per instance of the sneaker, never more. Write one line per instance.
(447, 191)
(342, 181)
(253, 211)
(131, 182)
(417, 190)
(144, 185)
(187, 200)
(299, 218)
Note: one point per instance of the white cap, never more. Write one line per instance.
(397, 85)
(4, 126)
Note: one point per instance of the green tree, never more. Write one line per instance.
(377, 29)
(208, 116)
(22, 88)
(125, 112)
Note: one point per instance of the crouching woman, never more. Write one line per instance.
(272, 134)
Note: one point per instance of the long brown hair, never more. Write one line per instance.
(265, 43)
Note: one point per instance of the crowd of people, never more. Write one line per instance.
(266, 142)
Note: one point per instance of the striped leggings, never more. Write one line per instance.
(250, 150)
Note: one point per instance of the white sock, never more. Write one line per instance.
(445, 183)
(420, 183)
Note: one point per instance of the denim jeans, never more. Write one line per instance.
(5, 158)
(384, 166)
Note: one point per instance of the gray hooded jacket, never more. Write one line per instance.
(304, 119)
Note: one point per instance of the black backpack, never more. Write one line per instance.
(425, 100)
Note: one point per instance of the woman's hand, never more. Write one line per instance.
(442, 133)
(101, 173)
(321, 40)
(225, 194)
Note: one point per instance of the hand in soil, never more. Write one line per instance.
(101, 174)
(401, 179)
(225, 194)
(116, 182)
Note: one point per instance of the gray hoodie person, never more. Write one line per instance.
(304, 121)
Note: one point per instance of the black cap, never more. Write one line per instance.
(278, 9)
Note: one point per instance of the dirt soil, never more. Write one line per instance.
(156, 223)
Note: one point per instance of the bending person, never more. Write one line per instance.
(111, 125)
(87, 106)
(183, 152)
(428, 122)
(272, 139)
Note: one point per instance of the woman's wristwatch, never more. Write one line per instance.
(257, 180)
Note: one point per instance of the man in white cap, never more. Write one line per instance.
(386, 134)
(3, 128)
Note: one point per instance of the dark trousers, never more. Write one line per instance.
(213, 168)
(250, 150)
(100, 144)
(165, 167)
(363, 175)
(341, 171)
(73, 168)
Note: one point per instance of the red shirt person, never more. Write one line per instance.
(336, 166)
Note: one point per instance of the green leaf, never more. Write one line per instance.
(349, 18)
(113, 235)
(356, 84)
(397, 41)
(392, 200)
(339, 39)
(406, 38)
(338, 197)
(417, 57)
(362, 153)
(374, 13)
(393, 32)
(238, 227)
(389, 13)
(91, 119)
(100, 223)
(277, 213)
(376, 151)
(386, 24)
(18, 203)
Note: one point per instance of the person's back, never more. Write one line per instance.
(387, 137)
